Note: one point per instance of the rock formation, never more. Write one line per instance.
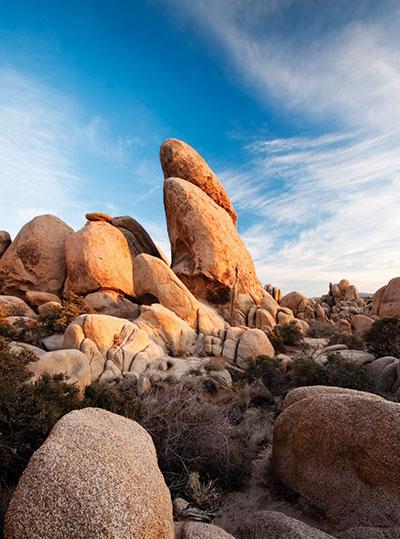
(340, 451)
(97, 257)
(180, 160)
(36, 260)
(386, 300)
(208, 254)
(96, 475)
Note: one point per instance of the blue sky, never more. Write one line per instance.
(294, 104)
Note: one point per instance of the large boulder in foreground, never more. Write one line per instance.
(98, 256)
(386, 300)
(180, 160)
(96, 475)
(36, 260)
(208, 254)
(342, 452)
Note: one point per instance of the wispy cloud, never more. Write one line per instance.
(323, 205)
(37, 175)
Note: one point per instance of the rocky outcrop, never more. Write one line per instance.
(137, 237)
(386, 300)
(110, 343)
(96, 475)
(340, 451)
(208, 254)
(36, 259)
(274, 291)
(275, 525)
(180, 160)
(14, 306)
(72, 363)
(5, 241)
(156, 282)
(299, 305)
(35, 298)
(113, 304)
(361, 323)
(97, 257)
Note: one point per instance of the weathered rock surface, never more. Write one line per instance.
(107, 341)
(341, 452)
(364, 532)
(137, 237)
(166, 329)
(72, 363)
(98, 216)
(96, 475)
(275, 525)
(36, 259)
(361, 323)
(14, 306)
(154, 278)
(306, 392)
(180, 160)
(297, 303)
(208, 254)
(97, 257)
(5, 241)
(113, 304)
(35, 298)
(199, 530)
(386, 300)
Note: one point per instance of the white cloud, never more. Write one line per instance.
(323, 206)
(36, 172)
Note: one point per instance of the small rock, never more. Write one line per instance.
(97, 216)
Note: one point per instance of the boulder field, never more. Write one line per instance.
(139, 320)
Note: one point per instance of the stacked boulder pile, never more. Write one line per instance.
(148, 318)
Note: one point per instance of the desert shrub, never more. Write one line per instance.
(289, 333)
(266, 369)
(319, 330)
(194, 435)
(6, 329)
(62, 315)
(111, 398)
(352, 340)
(27, 413)
(337, 371)
(204, 495)
(383, 338)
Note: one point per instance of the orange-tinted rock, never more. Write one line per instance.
(208, 254)
(138, 238)
(98, 216)
(97, 257)
(180, 160)
(36, 260)
(386, 301)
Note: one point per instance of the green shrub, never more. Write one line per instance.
(337, 371)
(204, 495)
(62, 315)
(266, 369)
(289, 333)
(352, 340)
(383, 338)
(111, 398)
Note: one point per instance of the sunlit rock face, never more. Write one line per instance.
(36, 260)
(208, 254)
(180, 160)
